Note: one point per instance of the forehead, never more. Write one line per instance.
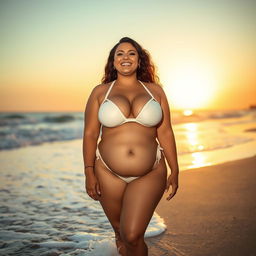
(125, 47)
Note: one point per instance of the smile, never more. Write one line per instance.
(126, 64)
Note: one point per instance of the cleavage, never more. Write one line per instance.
(130, 109)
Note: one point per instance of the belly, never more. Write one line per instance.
(129, 156)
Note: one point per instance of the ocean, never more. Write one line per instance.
(44, 207)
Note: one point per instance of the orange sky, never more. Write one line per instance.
(53, 55)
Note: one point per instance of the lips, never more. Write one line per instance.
(126, 64)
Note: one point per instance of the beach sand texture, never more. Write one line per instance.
(212, 214)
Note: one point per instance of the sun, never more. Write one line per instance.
(191, 85)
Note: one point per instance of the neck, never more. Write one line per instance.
(126, 80)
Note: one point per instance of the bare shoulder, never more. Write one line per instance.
(156, 89)
(99, 90)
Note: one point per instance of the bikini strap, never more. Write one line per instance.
(109, 89)
(100, 135)
(147, 90)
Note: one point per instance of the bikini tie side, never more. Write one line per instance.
(158, 153)
(97, 154)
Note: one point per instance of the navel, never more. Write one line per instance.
(130, 152)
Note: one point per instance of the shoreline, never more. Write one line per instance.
(213, 212)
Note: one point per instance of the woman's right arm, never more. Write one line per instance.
(90, 137)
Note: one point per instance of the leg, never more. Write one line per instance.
(112, 190)
(140, 200)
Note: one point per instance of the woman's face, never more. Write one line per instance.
(126, 58)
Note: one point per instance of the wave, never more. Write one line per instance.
(15, 138)
(59, 119)
(11, 116)
(20, 130)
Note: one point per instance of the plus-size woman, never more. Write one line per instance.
(127, 135)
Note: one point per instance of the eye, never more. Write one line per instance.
(132, 53)
(118, 54)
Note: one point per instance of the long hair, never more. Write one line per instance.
(146, 72)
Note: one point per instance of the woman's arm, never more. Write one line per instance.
(166, 138)
(90, 137)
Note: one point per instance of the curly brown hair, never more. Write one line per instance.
(146, 72)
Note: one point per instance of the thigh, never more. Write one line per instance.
(141, 198)
(112, 190)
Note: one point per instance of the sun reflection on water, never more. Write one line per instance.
(194, 144)
(198, 160)
(187, 112)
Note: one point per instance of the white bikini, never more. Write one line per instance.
(110, 115)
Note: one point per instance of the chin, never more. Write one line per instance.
(130, 72)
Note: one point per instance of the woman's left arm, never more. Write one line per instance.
(166, 138)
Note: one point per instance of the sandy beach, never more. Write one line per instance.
(212, 214)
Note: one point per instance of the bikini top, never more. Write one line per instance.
(110, 114)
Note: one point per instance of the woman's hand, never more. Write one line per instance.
(92, 186)
(173, 181)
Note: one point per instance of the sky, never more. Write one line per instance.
(53, 52)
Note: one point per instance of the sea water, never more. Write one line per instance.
(44, 207)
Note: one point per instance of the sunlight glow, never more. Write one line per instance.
(187, 112)
(191, 85)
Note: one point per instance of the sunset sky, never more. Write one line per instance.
(54, 52)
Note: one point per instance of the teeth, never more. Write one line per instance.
(126, 64)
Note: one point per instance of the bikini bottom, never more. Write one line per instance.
(129, 179)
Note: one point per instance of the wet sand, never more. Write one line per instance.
(212, 214)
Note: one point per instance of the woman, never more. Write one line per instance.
(126, 170)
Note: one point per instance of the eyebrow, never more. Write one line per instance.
(123, 51)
